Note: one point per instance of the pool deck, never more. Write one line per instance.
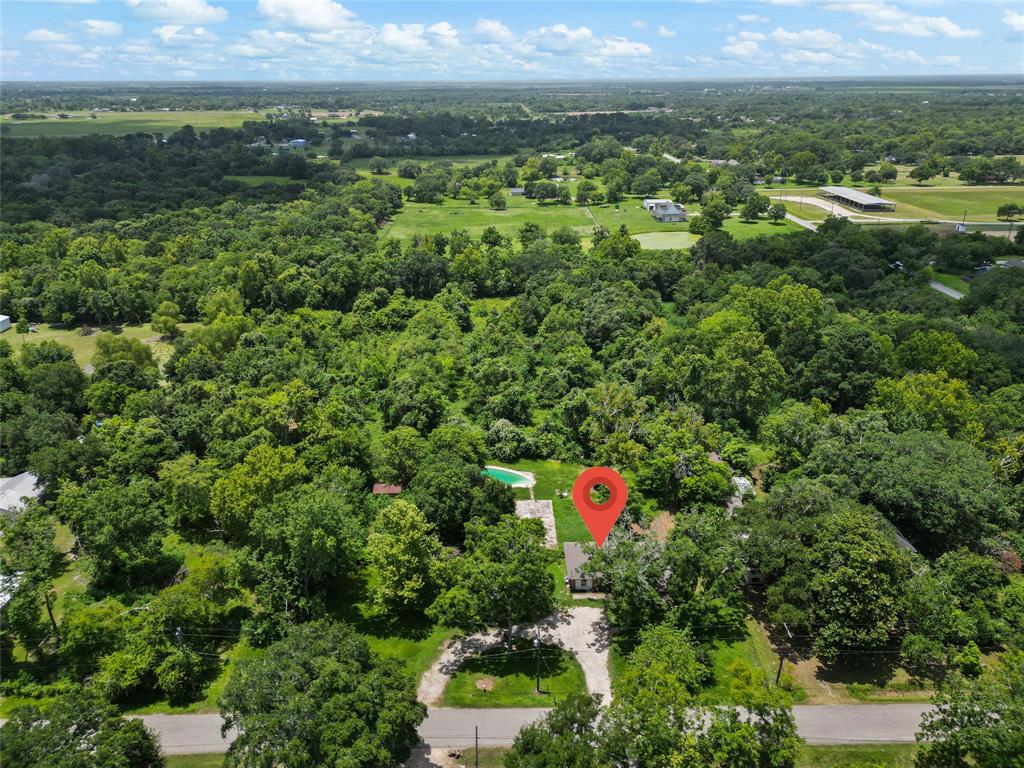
(541, 510)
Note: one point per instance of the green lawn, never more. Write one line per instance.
(552, 475)
(849, 755)
(660, 241)
(512, 677)
(804, 211)
(429, 218)
(950, 202)
(255, 181)
(194, 761)
(120, 123)
(956, 282)
(84, 347)
(754, 649)
(630, 212)
(746, 230)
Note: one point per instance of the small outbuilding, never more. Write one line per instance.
(854, 198)
(517, 191)
(5, 323)
(386, 489)
(297, 143)
(575, 559)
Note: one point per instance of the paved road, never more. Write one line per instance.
(822, 724)
(952, 293)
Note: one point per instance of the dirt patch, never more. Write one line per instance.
(662, 525)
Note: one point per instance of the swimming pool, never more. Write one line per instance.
(512, 477)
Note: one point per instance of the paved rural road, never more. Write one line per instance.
(821, 724)
(952, 293)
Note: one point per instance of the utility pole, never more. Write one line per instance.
(476, 740)
(782, 655)
(536, 653)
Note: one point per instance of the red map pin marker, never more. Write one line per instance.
(599, 518)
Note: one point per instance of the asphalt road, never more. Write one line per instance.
(821, 724)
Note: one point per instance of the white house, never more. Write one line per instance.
(665, 210)
(5, 323)
(297, 143)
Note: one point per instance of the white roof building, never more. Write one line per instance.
(14, 491)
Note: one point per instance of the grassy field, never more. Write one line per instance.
(511, 675)
(255, 181)
(552, 476)
(194, 761)
(805, 212)
(120, 123)
(849, 755)
(84, 347)
(754, 648)
(427, 218)
(811, 756)
(951, 202)
(956, 282)
(630, 212)
(660, 241)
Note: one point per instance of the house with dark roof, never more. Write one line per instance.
(575, 559)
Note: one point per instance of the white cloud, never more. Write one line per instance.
(751, 18)
(307, 14)
(43, 35)
(178, 34)
(664, 31)
(745, 34)
(800, 56)
(407, 38)
(742, 49)
(445, 34)
(559, 38)
(179, 11)
(1014, 20)
(100, 28)
(493, 30)
(168, 32)
(807, 38)
(883, 17)
(185, 72)
(638, 24)
(945, 59)
(620, 46)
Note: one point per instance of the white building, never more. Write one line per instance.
(5, 323)
(14, 491)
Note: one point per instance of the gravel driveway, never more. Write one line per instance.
(580, 630)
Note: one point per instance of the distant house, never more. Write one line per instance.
(575, 559)
(14, 491)
(516, 191)
(5, 323)
(386, 489)
(665, 210)
(411, 136)
(297, 143)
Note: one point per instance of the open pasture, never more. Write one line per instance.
(430, 218)
(121, 123)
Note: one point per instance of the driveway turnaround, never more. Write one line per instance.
(818, 724)
(580, 630)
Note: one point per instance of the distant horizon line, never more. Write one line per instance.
(1018, 77)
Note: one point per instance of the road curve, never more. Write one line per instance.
(817, 724)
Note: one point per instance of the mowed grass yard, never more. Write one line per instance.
(121, 123)
(431, 218)
(951, 202)
(84, 347)
(510, 675)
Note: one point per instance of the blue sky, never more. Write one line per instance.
(423, 40)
